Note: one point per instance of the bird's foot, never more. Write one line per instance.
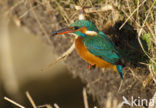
(91, 66)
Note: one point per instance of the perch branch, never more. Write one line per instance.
(64, 55)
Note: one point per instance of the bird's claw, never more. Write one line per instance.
(91, 66)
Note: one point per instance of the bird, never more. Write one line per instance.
(93, 45)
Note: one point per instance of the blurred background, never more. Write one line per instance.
(23, 61)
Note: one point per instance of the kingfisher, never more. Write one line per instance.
(94, 46)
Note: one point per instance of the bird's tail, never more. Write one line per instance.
(118, 68)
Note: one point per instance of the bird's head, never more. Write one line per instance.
(82, 28)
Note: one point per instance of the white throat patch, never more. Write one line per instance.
(91, 33)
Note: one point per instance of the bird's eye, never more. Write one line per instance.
(75, 27)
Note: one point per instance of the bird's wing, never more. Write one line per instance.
(104, 35)
(102, 47)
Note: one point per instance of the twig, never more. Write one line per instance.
(90, 2)
(153, 73)
(13, 102)
(43, 106)
(132, 18)
(132, 14)
(85, 98)
(25, 13)
(64, 55)
(65, 16)
(108, 102)
(38, 21)
(56, 106)
(128, 6)
(147, 80)
(128, 87)
(13, 7)
(121, 83)
(137, 14)
(100, 9)
(95, 81)
(134, 75)
(95, 9)
(30, 99)
(152, 32)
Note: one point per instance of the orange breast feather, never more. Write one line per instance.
(90, 58)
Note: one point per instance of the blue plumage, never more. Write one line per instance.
(119, 68)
